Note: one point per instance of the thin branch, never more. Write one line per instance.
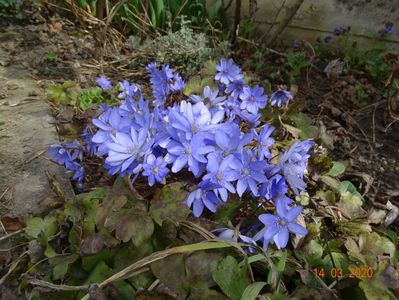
(56, 287)
(274, 21)
(290, 15)
(5, 237)
(237, 18)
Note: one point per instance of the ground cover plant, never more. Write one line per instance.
(200, 177)
(212, 152)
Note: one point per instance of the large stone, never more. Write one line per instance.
(26, 128)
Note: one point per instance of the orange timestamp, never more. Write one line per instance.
(359, 273)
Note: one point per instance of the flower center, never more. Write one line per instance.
(134, 149)
(245, 172)
(156, 170)
(219, 176)
(188, 151)
(282, 222)
(194, 128)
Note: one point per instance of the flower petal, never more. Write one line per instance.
(297, 229)
(293, 213)
(281, 238)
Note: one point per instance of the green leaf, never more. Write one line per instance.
(162, 269)
(169, 203)
(60, 270)
(131, 224)
(89, 262)
(200, 290)
(208, 69)
(99, 273)
(201, 265)
(89, 96)
(227, 211)
(351, 205)
(34, 226)
(193, 86)
(313, 251)
(340, 262)
(49, 252)
(331, 182)
(231, 278)
(61, 264)
(347, 186)
(124, 289)
(337, 169)
(252, 291)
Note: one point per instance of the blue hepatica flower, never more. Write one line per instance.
(222, 173)
(265, 141)
(387, 30)
(251, 173)
(274, 188)
(278, 226)
(294, 162)
(87, 136)
(178, 84)
(229, 140)
(128, 149)
(164, 81)
(228, 234)
(104, 83)
(209, 98)
(236, 88)
(253, 99)
(191, 118)
(201, 198)
(189, 152)
(128, 91)
(155, 169)
(69, 155)
(281, 98)
(212, 135)
(339, 30)
(110, 122)
(228, 71)
(328, 39)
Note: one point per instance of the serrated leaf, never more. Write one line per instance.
(170, 204)
(231, 278)
(252, 291)
(337, 169)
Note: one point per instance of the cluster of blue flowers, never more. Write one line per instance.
(339, 30)
(388, 29)
(69, 155)
(202, 134)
